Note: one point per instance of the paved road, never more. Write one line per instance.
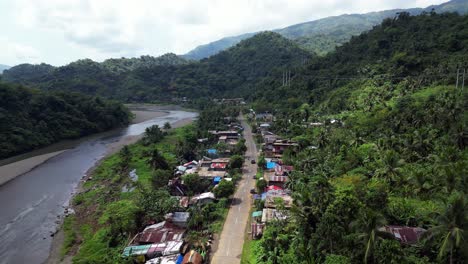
(232, 238)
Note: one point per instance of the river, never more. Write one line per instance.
(31, 203)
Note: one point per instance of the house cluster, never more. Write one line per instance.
(275, 198)
(229, 137)
(165, 242)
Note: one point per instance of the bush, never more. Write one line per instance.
(224, 189)
(336, 259)
(236, 162)
(261, 185)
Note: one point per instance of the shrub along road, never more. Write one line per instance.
(232, 237)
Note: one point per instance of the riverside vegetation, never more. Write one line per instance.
(112, 208)
(31, 118)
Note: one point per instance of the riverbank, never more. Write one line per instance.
(28, 161)
(13, 170)
(56, 255)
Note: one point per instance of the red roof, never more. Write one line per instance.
(273, 187)
(161, 232)
(218, 165)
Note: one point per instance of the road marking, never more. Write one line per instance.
(229, 247)
(236, 220)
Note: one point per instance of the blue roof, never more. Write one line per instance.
(212, 151)
(270, 165)
(217, 179)
(180, 258)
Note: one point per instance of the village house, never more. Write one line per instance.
(203, 198)
(179, 219)
(404, 234)
(265, 117)
(161, 239)
(264, 127)
(272, 196)
(277, 176)
(270, 214)
(277, 148)
(212, 168)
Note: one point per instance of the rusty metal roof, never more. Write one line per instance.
(161, 232)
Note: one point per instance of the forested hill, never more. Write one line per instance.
(231, 72)
(323, 35)
(417, 49)
(29, 73)
(428, 46)
(30, 118)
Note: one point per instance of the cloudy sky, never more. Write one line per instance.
(61, 31)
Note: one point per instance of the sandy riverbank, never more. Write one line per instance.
(142, 116)
(13, 170)
(57, 242)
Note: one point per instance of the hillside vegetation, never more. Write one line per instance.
(415, 50)
(397, 155)
(30, 119)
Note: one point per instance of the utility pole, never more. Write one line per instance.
(283, 78)
(463, 79)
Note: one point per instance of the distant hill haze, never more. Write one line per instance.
(4, 67)
(324, 35)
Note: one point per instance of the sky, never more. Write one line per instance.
(61, 31)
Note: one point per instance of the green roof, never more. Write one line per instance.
(257, 214)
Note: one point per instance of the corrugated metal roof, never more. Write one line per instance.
(161, 232)
(275, 178)
(405, 234)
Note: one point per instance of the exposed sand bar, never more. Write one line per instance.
(142, 116)
(12, 170)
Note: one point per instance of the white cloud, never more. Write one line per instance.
(22, 53)
(105, 28)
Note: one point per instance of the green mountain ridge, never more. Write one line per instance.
(324, 35)
(236, 68)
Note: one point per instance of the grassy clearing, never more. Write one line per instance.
(248, 251)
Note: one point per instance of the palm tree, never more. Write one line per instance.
(369, 224)
(451, 227)
(391, 166)
(157, 161)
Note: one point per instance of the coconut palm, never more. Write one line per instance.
(451, 228)
(390, 166)
(157, 161)
(368, 224)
